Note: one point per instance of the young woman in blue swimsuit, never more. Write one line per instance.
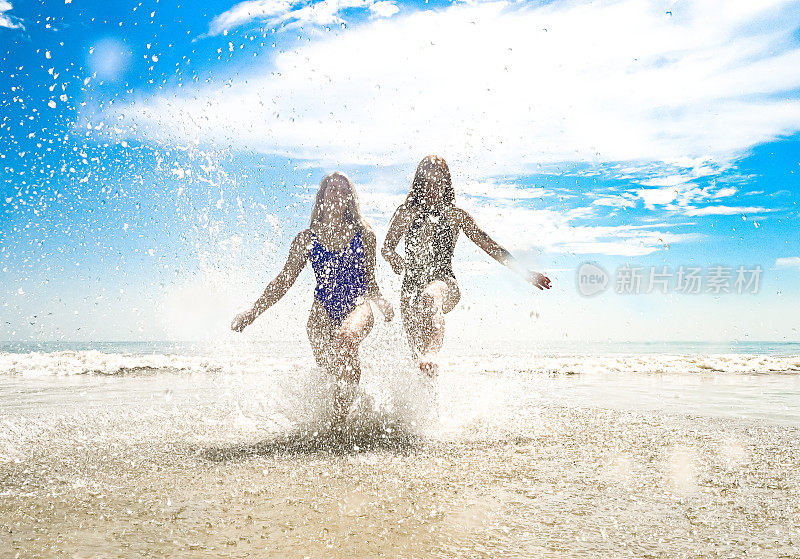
(341, 247)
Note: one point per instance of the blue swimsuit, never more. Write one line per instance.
(341, 276)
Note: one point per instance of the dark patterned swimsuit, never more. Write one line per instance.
(429, 257)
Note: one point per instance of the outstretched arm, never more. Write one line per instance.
(490, 247)
(278, 287)
(397, 228)
(373, 291)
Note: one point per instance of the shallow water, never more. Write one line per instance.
(513, 453)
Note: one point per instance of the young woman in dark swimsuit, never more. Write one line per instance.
(429, 222)
(341, 247)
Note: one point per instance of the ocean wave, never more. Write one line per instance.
(92, 362)
(740, 364)
(68, 363)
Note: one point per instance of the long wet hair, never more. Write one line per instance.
(352, 210)
(431, 169)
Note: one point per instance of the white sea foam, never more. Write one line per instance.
(93, 362)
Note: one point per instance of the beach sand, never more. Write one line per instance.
(510, 455)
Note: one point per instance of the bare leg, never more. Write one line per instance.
(431, 315)
(424, 319)
(336, 349)
(411, 322)
(320, 330)
(346, 366)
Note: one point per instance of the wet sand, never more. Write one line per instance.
(504, 464)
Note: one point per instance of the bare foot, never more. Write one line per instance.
(429, 366)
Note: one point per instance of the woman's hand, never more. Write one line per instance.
(242, 320)
(539, 280)
(385, 307)
(395, 261)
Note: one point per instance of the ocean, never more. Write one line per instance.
(557, 450)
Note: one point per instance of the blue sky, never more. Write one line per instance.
(158, 157)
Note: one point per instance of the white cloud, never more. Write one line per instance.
(788, 262)
(727, 210)
(614, 248)
(501, 88)
(682, 196)
(322, 13)
(282, 12)
(621, 201)
(661, 196)
(499, 190)
(521, 228)
(384, 8)
(244, 12)
(725, 192)
(6, 20)
(669, 180)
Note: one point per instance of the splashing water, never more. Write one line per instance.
(229, 450)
